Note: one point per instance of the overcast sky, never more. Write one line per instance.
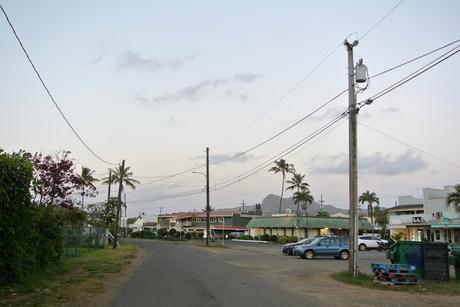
(155, 83)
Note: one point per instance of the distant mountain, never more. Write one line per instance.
(270, 204)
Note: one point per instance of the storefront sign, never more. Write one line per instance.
(416, 219)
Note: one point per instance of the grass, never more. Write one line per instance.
(425, 286)
(74, 278)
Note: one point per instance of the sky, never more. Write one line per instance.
(156, 82)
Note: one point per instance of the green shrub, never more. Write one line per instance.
(188, 235)
(17, 218)
(282, 239)
(265, 237)
(273, 238)
(292, 239)
(246, 237)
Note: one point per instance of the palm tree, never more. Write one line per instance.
(128, 180)
(86, 181)
(297, 182)
(282, 167)
(370, 199)
(454, 197)
(304, 198)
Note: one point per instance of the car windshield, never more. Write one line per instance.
(305, 241)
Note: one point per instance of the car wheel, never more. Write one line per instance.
(362, 247)
(309, 255)
(344, 255)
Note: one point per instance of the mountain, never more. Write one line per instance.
(270, 204)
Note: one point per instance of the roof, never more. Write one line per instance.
(303, 222)
(406, 207)
(183, 215)
(229, 227)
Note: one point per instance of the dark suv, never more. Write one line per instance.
(337, 247)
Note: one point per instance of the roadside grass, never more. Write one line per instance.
(425, 286)
(75, 278)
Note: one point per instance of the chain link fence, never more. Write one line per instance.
(78, 239)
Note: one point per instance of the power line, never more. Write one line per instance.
(380, 21)
(411, 76)
(49, 93)
(409, 145)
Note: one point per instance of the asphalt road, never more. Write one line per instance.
(185, 275)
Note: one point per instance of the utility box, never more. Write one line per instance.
(360, 72)
(436, 261)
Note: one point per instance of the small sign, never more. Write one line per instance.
(417, 219)
(445, 220)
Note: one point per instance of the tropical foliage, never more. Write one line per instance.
(454, 198)
(297, 183)
(370, 198)
(381, 218)
(85, 183)
(304, 198)
(281, 166)
(126, 174)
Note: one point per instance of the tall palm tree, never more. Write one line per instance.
(86, 181)
(297, 182)
(454, 197)
(304, 198)
(370, 199)
(128, 180)
(282, 167)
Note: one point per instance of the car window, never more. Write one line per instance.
(335, 242)
(324, 242)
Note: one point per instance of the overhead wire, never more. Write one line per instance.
(381, 20)
(408, 145)
(49, 93)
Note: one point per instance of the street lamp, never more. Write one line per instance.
(208, 208)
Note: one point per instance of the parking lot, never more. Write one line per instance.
(269, 255)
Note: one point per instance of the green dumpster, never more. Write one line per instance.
(408, 252)
(454, 259)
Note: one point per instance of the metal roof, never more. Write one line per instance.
(406, 207)
(304, 222)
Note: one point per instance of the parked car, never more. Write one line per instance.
(337, 247)
(289, 248)
(370, 242)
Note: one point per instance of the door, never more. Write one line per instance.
(322, 247)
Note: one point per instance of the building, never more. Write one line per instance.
(428, 218)
(220, 220)
(302, 226)
(144, 222)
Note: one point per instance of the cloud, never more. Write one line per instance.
(132, 60)
(196, 91)
(171, 122)
(101, 53)
(377, 163)
(233, 94)
(225, 156)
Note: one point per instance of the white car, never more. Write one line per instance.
(369, 242)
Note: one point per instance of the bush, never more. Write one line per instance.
(292, 239)
(265, 237)
(282, 239)
(144, 234)
(273, 238)
(246, 237)
(188, 235)
(162, 232)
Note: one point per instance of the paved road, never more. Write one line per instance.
(184, 275)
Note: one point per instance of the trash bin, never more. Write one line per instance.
(435, 257)
(454, 259)
(408, 252)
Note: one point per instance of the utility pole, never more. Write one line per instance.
(208, 208)
(120, 187)
(321, 203)
(353, 170)
(107, 208)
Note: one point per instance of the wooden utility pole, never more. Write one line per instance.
(126, 217)
(120, 188)
(353, 165)
(208, 208)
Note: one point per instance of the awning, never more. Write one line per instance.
(445, 226)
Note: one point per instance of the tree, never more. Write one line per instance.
(282, 167)
(85, 184)
(323, 214)
(103, 213)
(297, 182)
(370, 198)
(54, 178)
(128, 179)
(454, 198)
(381, 218)
(304, 198)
